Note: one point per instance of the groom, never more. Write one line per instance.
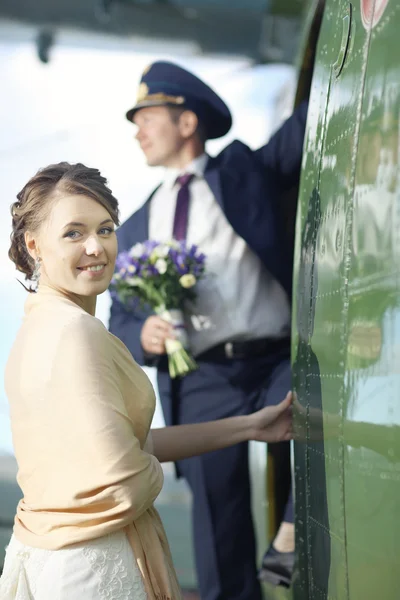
(231, 207)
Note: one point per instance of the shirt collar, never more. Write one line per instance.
(197, 167)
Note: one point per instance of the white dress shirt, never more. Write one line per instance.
(238, 299)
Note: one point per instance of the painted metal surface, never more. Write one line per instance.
(346, 318)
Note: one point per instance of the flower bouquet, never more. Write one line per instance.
(161, 276)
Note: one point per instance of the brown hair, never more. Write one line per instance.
(34, 201)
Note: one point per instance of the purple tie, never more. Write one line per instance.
(182, 207)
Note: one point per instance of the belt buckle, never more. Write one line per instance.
(228, 347)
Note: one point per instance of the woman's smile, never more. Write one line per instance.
(93, 270)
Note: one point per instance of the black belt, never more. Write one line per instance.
(246, 349)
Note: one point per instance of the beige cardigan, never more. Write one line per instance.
(81, 410)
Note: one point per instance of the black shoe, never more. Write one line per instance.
(277, 567)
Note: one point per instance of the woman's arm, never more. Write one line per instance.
(271, 424)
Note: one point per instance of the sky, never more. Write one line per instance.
(73, 109)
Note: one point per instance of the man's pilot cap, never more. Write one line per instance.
(167, 84)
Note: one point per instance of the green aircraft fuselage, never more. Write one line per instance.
(346, 319)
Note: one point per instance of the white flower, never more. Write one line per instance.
(132, 269)
(161, 251)
(133, 281)
(161, 266)
(136, 251)
(187, 281)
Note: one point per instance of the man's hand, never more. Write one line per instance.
(154, 333)
(273, 423)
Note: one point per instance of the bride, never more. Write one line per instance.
(81, 411)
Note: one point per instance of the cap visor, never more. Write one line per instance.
(145, 104)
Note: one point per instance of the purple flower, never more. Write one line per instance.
(179, 262)
(123, 261)
(197, 271)
(149, 245)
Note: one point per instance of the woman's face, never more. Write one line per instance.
(77, 246)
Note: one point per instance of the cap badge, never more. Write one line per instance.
(143, 92)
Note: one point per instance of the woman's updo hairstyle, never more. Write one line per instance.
(34, 203)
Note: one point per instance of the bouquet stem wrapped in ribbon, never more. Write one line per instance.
(179, 360)
(162, 276)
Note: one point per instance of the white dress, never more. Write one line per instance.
(101, 569)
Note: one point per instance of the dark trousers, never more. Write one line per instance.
(224, 538)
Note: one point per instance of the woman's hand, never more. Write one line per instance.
(273, 423)
(311, 424)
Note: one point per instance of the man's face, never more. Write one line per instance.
(160, 138)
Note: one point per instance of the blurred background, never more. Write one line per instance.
(68, 72)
